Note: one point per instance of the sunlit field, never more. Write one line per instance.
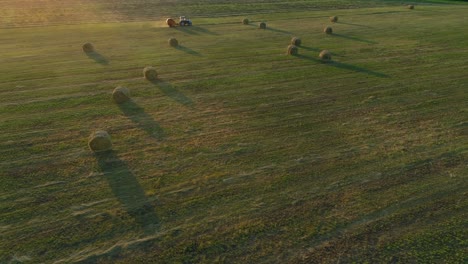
(238, 152)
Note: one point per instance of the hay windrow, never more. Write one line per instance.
(325, 55)
(334, 19)
(328, 30)
(88, 47)
(100, 141)
(296, 41)
(245, 21)
(173, 42)
(121, 94)
(262, 25)
(150, 73)
(292, 50)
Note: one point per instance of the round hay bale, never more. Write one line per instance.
(325, 55)
(410, 6)
(262, 25)
(245, 21)
(88, 47)
(296, 41)
(100, 141)
(328, 30)
(171, 22)
(173, 42)
(121, 95)
(292, 50)
(334, 19)
(150, 73)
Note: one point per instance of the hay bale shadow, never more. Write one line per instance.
(188, 51)
(353, 38)
(310, 48)
(143, 120)
(173, 93)
(279, 31)
(97, 57)
(356, 69)
(128, 190)
(345, 66)
(355, 25)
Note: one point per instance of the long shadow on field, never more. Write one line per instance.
(269, 28)
(127, 190)
(344, 66)
(146, 122)
(353, 38)
(278, 30)
(97, 57)
(352, 24)
(310, 48)
(188, 51)
(173, 93)
(195, 30)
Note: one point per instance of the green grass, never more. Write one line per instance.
(240, 153)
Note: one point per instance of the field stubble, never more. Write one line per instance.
(239, 152)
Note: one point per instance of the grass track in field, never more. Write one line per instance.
(241, 153)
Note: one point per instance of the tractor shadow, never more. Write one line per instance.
(344, 66)
(188, 51)
(353, 38)
(195, 30)
(143, 120)
(127, 190)
(173, 93)
(97, 57)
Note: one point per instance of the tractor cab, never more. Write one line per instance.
(183, 21)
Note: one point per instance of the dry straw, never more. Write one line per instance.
(292, 50)
(173, 42)
(334, 19)
(325, 55)
(150, 73)
(121, 95)
(328, 30)
(88, 47)
(245, 21)
(296, 41)
(262, 25)
(100, 141)
(171, 22)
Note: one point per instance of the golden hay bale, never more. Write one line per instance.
(88, 47)
(296, 41)
(328, 30)
(334, 19)
(171, 22)
(173, 42)
(121, 95)
(245, 21)
(150, 73)
(411, 6)
(325, 55)
(292, 50)
(100, 141)
(262, 25)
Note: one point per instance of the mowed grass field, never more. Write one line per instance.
(239, 153)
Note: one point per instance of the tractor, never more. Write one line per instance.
(183, 21)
